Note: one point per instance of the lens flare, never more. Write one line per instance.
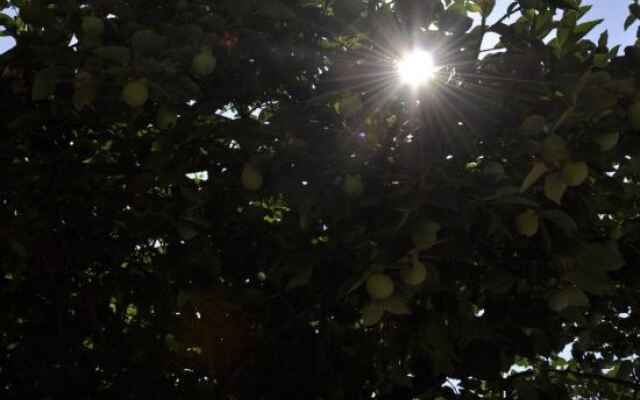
(416, 68)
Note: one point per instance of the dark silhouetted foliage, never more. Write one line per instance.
(236, 199)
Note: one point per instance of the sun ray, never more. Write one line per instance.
(416, 68)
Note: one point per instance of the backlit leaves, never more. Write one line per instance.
(127, 271)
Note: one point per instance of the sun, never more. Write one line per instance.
(416, 68)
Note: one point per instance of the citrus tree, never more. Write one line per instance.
(237, 199)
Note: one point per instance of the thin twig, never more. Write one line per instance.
(491, 28)
(504, 17)
(483, 31)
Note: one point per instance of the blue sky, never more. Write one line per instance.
(614, 13)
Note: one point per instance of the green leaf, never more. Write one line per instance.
(17, 248)
(38, 15)
(84, 96)
(186, 232)
(577, 297)
(583, 29)
(602, 257)
(117, 54)
(592, 281)
(629, 21)
(562, 37)
(561, 220)
(599, 102)
(85, 90)
(499, 281)
(395, 305)
(625, 369)
(239, 8)
(504, 192)
(569, 4)
(568, 113)
(454, 20)
(348, 105)
(399, 377)
(525, 390)
(543, 24)
(603, 41)
(182, 298)
(145, 41)
(486, 6)
(554, 149)
(474, 8)
(517, 200)
(191, 33)
(532, 125)
(538, 170)
(6, 20)
(613, 52)
(482, 359)
(569, 19)
(554, 187)
(301, 278)
(371, 313)
(276, 10)
(44, 84)
(601, 60)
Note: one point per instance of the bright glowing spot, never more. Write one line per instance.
(416, 68)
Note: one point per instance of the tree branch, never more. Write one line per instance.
(504, 17)
(602, 378)
(490, 28)
(483, 31)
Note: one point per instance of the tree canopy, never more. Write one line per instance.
(238, 199)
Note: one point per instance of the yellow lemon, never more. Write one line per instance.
(575, 172)
(204, 63)
(92, 26)
(135, 94)
(251, 177)
(527, 224)
(380, 286)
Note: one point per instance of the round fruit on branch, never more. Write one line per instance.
(135, 93)
(380, 286)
